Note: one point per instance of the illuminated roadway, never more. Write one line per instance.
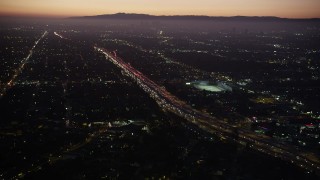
(17, 71)
(222, 129)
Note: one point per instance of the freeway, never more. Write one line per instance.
(222, 129)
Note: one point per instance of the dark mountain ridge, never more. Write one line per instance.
(126, 16)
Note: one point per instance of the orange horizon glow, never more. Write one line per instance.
(68, 8)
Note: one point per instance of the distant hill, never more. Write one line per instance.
(125, 16)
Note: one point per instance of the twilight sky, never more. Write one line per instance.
(65, 8)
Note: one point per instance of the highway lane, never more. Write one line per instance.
(169, 102)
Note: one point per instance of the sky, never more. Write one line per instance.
(67, 8)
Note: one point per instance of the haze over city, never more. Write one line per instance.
(160, 89)
(66, 8)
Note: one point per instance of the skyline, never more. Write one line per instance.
(153, 89)
(59, 8)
